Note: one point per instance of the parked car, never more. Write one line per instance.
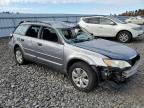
(111, 27)
(135, 20)
(85, 59)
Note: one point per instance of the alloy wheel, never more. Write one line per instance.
(19, 56)
(124, 37)
(80, 77)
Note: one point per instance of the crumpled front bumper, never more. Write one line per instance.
(117, 74)
(132, 70)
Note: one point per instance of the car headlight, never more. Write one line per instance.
(137, 28)
(116, 63)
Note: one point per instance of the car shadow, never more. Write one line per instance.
(138, 40)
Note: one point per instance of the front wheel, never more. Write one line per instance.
(124, 36)
(83, 77)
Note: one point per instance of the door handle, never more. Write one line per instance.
(100, 27)
(22, 39)
(39, 44)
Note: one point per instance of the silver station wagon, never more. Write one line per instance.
(71, 49)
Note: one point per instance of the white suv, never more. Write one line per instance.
(111, 27)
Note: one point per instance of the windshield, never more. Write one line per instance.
(118, 21)
(75, 35)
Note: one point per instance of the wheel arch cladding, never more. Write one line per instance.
(72, 61)
(16, 46)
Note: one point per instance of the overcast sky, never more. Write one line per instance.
(104, 7)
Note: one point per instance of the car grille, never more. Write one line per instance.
(134, 60)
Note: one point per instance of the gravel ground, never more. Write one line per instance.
(37, 86)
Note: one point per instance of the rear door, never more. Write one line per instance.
(49, 49)
(24, 41)
(27, 41)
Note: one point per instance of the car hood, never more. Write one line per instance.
(130, 25)
(107, 48)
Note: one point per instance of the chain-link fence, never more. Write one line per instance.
(8, 24)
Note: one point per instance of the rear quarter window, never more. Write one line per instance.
(21, 29)
(85, 20)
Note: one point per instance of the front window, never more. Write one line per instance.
(75, 35)
(49, 34)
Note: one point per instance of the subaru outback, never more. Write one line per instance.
(71, 49)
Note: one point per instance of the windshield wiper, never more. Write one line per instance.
(81, 40)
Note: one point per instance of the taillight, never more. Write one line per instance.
(11, 37)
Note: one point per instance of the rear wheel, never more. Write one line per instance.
(83, 77)
(124, 36)
(19, 56)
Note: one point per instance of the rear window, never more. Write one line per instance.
(94, 20)
(33, 31)
(21, 29)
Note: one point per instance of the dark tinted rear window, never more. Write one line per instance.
(95, 20)
(33, 31)
(21, 29)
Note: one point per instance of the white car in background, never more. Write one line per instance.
(103, 26)
(135, 20)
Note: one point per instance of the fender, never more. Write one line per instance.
(93, 61)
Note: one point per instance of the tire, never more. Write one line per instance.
(124, 37)
(83, 77)
(19, 57)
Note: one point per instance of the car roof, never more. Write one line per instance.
(94, 17)
(97, 17)
(54, 24)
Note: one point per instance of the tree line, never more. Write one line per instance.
(139, 12)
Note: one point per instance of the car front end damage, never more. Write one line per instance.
(118, 74)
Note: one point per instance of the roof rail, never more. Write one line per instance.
(34, 21)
